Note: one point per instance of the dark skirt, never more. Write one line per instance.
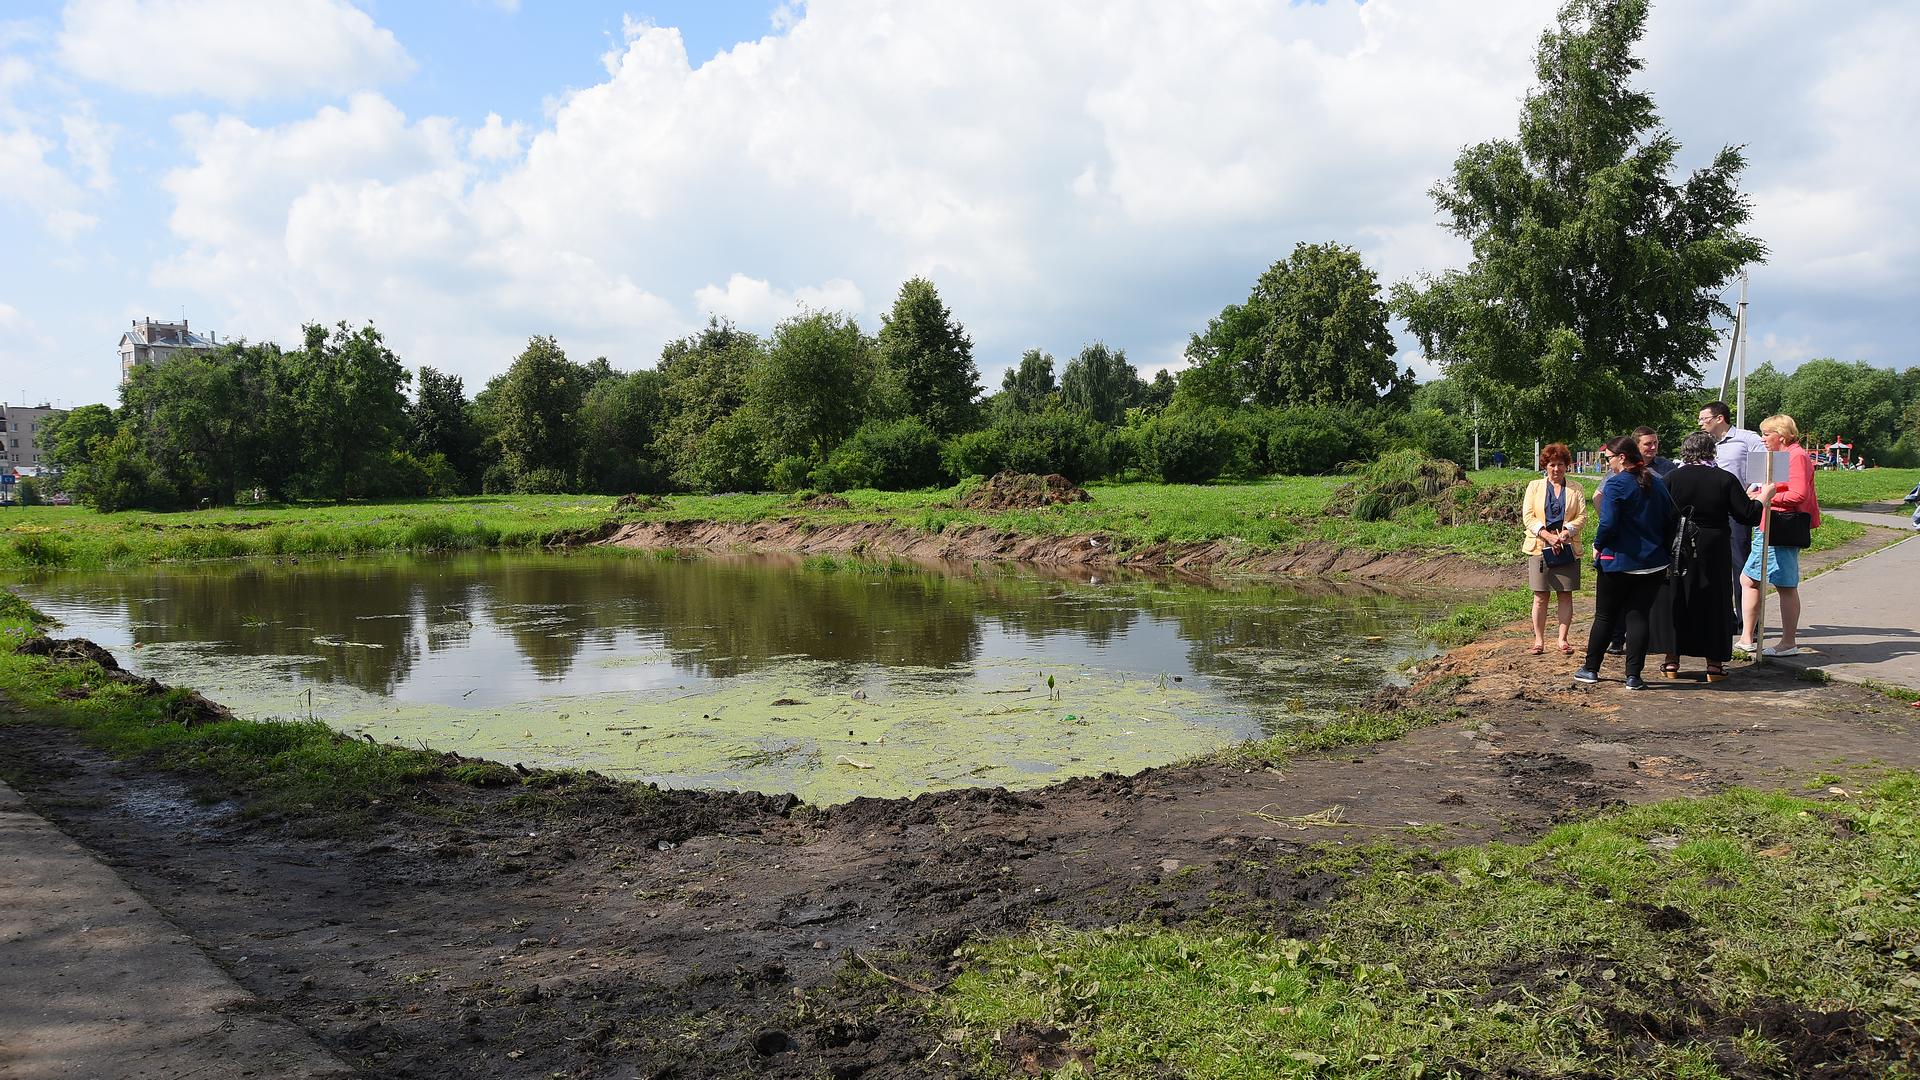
(1702, 621)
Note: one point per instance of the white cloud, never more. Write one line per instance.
(90, 146)
(232, 50)
(1062, 176)
(28, 178)
(753, 302)
(496, 139)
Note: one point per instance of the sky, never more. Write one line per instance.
(465, 174)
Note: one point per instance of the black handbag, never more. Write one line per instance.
(1789, 528)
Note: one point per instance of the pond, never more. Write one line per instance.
(828, 678)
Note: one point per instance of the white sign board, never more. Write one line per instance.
(1764, 465)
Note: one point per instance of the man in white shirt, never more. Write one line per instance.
(1730, 453)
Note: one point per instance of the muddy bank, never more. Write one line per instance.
(591, 928)
(980, 543)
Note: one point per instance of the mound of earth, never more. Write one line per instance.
(1023, 491)
(639, 504)
(821, 501)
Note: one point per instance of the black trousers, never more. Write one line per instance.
(1622, 600)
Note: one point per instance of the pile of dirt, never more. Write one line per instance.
(636, 504)
(819, 501)
(1023, 491)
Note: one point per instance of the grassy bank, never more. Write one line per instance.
(1693, 939)
(1267, 513)
(74, 537)
(293, 767)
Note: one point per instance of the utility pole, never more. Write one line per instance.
(1476, 434)
(1741, 334)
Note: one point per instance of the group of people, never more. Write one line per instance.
(1677, 546)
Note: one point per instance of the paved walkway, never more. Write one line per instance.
(1861, 620)
(95, 983)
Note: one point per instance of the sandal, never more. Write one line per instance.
(1716, 673)
(1670, 671)
(1566, 649)
(1537, 649)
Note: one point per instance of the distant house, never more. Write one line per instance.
(20, 447)
(151, 342)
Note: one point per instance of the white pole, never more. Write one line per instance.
(1476, 434)
(1743, 333)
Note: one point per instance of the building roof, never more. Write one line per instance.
(170, 335)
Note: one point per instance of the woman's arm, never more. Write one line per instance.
(1533, 504)
(1797, 492)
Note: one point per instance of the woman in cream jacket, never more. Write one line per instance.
(1553, 511)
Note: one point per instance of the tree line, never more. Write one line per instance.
(1587, 308)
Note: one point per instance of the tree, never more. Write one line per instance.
(537, 410)
(350, 406)
(1027, 387)
(440, 421)
(617, 425)
(705, 381)
(72, 439)
(1100, 383)
(1857, 402)
(810, 390)
(929, 358)
(1595, 276)
(1313, 332)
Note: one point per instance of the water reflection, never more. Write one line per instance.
(629, 661)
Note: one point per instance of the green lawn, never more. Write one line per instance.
(1842, 489)
(1263, 513)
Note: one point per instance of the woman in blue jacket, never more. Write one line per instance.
(1630, 553)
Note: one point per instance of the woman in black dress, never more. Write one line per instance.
(1703, 594)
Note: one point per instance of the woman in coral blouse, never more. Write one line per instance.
(1783, 568)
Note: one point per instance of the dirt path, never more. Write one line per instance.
(584, 933)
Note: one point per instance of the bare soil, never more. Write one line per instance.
(599, 929)
(1024, 491)
(979, 543)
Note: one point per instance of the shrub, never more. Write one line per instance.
(544, 480)
(790, 473)
(1071, 444)
(1186, 447)
(1431, 431)
(29, 491)
(975, 453)
(1314, 441)
(891, 456)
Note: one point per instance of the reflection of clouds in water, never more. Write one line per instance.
(479, 635)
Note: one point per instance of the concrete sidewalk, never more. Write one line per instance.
(95, 983)
(1861, 619)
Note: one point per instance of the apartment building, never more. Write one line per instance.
(151, 342)
(20, 446)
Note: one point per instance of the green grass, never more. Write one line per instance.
(46, 537)
(295, 767)
(1269, 513)
(1652, 941)
(1353, 727)
(1840, 488)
